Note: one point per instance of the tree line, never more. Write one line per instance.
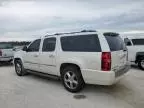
(17, 43)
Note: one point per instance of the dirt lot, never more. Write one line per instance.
(33, 91)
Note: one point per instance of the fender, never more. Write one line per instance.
(74, 60)
(19, 55)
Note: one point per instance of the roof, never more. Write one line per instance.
(83, 32)
(69, 33)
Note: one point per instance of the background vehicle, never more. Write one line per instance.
(6, 52)
(135, 45)
(18, 48)
(77, 57)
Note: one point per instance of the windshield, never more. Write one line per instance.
(5, 46)
(138, 41)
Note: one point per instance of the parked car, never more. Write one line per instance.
(135, 45)
(77, 58)
(6, 52)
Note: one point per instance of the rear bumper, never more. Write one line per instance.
(104, 77)
(2, 59)
(122, 71)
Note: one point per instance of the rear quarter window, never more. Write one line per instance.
(115, 43)
(81, 43)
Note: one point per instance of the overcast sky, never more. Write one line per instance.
(28, 19)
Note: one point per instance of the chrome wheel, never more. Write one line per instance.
(18, 68)
(70, 80)
(142, 63)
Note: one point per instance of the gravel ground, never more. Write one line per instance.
(33, 91)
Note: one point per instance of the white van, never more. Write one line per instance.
(135, 45)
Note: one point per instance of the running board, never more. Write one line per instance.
(43, 74)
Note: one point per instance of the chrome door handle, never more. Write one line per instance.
(51, 56)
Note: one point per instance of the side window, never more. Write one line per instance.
(81, 43)
(34, 47)
(127, 42)
(49, 44)
(138, 41)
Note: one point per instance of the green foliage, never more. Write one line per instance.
(17, 43)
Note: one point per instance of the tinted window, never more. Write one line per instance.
(34, 47)
(49, 44)
(138, 41)
(83, 43)
(115, 43)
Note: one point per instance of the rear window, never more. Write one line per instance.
(138, 41)
(6, 46)
(115, 43)
(81, 43)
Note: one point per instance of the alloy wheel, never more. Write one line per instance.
(18, 68)
(71, 80)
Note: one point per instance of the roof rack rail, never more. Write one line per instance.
(72, 32)
(76, 32)
(66, 33)
(110, 34)
(88, 31)
(47, 35)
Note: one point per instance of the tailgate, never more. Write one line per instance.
(119, 59)
(7, 53)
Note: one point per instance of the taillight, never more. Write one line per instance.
(106, 61)
(0, 52)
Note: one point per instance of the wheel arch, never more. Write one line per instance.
(15, 59)
(64, 65)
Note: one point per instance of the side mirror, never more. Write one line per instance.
(25, 48)
(14, 49)
(128, 44)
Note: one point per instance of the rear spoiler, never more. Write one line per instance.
(110, 34)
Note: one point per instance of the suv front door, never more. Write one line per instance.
(47, 56)
(31, 57)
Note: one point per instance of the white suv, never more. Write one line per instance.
(135, 45)
(77, 58)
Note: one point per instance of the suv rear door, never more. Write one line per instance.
(118, 50)
(48, 56)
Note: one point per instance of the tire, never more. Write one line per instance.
(72, 79)
(141, 64)
(19, 69)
